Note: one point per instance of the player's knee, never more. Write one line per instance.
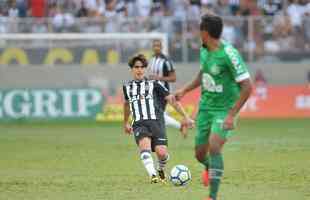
(162, 153)
(144, 143)
(215, 144)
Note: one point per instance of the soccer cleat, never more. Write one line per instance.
(205, 178)
(154, 179)
(162, 176)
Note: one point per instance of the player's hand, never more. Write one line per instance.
(229, 122)
(191, 123)
(127, 128)
(185, 125)
(179, 94)
(154, 77)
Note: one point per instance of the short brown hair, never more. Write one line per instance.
(134, 59)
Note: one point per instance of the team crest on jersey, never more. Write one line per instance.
(215, 70)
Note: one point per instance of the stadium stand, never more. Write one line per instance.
(262, 29)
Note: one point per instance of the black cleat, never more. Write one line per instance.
(162, 176)
(154, 179)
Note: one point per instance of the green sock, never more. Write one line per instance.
(215, 174)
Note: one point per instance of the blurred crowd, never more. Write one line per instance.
(143, 8)
(261, 26)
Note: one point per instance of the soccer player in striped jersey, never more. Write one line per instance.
(161, 69)
(225, 87)
(144, 100)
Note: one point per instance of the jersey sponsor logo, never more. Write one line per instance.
(210, 85)
(140, 97)
(215, 70)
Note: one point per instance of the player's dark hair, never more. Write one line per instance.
(134, 59)
(213, 24)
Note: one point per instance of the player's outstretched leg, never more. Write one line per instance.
(147, 159)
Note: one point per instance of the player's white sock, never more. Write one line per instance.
(147, 160)
(162, 163)
(171, 121)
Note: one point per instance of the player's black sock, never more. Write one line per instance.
(162, 163)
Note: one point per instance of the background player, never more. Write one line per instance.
(161, 69)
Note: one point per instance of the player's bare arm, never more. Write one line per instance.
(245, 92)
(179, 108)
(196, 82)
(127, 126)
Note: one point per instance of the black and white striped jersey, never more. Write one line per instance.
(161, 66)
(146, 99)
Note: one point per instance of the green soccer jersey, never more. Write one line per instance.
(221, 71)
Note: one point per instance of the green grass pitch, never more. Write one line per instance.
(267, 159)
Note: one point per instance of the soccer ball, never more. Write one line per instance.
(180, 175)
